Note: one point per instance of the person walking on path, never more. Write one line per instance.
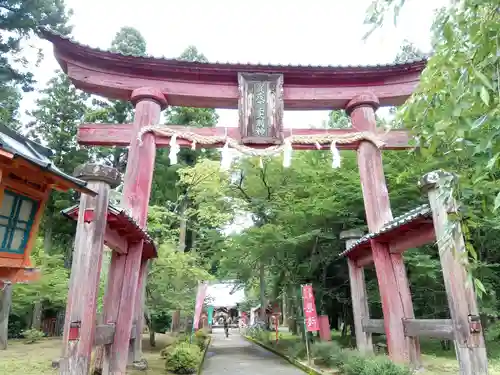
(226, 327)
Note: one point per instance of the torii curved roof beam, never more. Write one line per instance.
(215, 85)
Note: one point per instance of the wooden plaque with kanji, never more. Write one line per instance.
(261, 108)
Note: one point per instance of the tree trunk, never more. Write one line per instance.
(47, 237)
(5, 303)
(262, 280)
(176, 321)
(152, 338)
(36, 322)
(284, 308)
(149, 323)
(183, 225)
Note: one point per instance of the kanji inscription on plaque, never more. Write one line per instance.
(261, 107)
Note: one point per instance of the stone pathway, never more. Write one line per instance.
(236, 356)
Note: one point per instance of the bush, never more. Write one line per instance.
(356, 364)
(32, 335)
(200, 338)
(328, 354)
(183, 358)
(170, 341)
(259, 334)
(493, 332)
(297, 350)
(201, 333)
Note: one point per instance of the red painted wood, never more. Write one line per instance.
(403, 286)
(135, 350)
(391, 275)
(364, 260)
(392, 306)
(324, 328)
(120, 231)
(137, 188)
(153, 67)
(224, 95)
(413, 239)
(74, 333)
(111, 306)
(81, 322)
(115, 241)
(121, 135)
(415, 233)
(215, 85)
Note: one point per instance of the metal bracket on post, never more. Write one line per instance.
(475, 324)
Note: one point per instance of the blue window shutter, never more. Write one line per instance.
(13, 225)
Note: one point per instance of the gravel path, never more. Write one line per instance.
(236, 356)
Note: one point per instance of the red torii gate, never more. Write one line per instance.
(261, 92)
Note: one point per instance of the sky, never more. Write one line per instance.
(221, 297)
(316, 32)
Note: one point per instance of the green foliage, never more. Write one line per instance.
(19, 20)
(52, 287)
(200, 338)
(173, 279)
(356, 364)
(259, 334)
(10, 99)
(32, 335)
(58, 112)
(328, 354)
(170, 342)
(493, 332)
(129, 41)
(16, 326)
(183, 359)
(454, 113)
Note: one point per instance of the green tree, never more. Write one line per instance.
(51, 289)
(129, 41)
(19, 20)
(58, 112)
(167, 189)
(454, 114)
(10, 99)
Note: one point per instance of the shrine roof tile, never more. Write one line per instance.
(35, 153)
(68, 42)
(72, 213)
(417, 213)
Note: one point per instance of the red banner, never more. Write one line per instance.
(200, 298)
(310, 315)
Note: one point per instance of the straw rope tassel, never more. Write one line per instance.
(174, 150)
(226, 158)
(335, 155)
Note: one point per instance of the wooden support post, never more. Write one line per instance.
(469, 341)
(359, 295)
(137, 188)
(391, 274)
(5, 303)
(135, 348)
(110, 309)
(80, 325)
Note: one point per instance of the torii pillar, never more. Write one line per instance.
(148, 104)
(391, 274)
